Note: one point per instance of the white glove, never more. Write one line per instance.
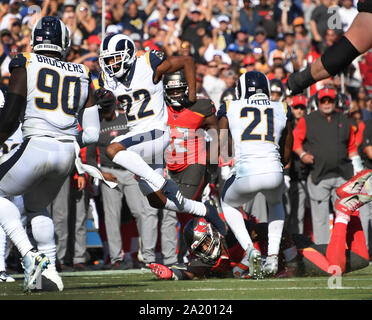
(357, 163)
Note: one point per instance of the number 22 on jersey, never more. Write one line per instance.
(258, 116)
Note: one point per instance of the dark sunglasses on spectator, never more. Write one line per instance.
(212, 65)
(327, 99)
(249, 65)
(299, 106)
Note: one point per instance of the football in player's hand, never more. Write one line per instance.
(105, 99)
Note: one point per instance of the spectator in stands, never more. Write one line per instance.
(11, 15)
(268, 20)
(261, 41)
(212, 83)
(325, 141)
(85, 21)
(248, 17)
(347, 13)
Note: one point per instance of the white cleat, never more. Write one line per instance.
(4, 277)
(270, 268)
(253, 259)
(34, 263)
(50, 280)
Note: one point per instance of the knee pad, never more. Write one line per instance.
(42, 230)
(8, 210)
(337, 57)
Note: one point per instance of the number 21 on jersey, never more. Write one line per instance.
(258, 116)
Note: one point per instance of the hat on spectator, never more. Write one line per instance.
(249, 60)
(68, 3)
(280, 37)
(135, 36)
(113, 28)
(298, 21)
(232, 47)
(278, 54)
(223, 18)
(299, 100)
(259, 30)
(94, 39)
(154, 24)
(194, 9)
(170, 17)
(11, 2)
(5, 32)
(326, 92)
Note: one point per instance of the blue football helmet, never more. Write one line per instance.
(50, 34)
(117, 54)
(250, 83)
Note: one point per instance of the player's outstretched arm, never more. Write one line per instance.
(175, 63)
(15, 103)
(356, 41)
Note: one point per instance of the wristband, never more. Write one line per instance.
(302, 154)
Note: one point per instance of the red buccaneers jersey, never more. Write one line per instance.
(187, 136)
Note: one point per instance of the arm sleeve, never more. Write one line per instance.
(222, 111)
(299, 134)
(19, 61)
(352, 145)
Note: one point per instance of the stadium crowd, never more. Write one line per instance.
(225, 39)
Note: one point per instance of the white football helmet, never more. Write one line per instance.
(117, 54)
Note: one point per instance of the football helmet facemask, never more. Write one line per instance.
(251, 83)
(50, 34)
(202, 240)
(175, 88)
(117, 55)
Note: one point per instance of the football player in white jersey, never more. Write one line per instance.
(137, 84)
(47, 94)
(262, 139)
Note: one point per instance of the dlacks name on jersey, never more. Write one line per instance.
(60, 64)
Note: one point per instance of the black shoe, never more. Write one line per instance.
(172, 192)
(122, 265)
(214, 218)
(81, 267)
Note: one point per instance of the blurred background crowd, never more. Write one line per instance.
(225, 37)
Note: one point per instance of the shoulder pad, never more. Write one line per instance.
(205, 107)
(19, 61)
(155, 57)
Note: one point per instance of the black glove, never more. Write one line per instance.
(185, 102)
(105, 99)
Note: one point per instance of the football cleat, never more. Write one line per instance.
(50, 280)
(253, 256)
(171, 191)
(34, 263)
(214, 218)
(270, 267)
(4, 277)
(346, 206)
(354, 185)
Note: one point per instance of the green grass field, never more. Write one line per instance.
(142, 285)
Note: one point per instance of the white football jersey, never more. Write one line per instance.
(256, 126)
(141, 98)
(56, 92)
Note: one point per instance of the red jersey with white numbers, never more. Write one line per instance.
(187, 136)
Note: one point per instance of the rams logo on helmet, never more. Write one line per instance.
(117, 54)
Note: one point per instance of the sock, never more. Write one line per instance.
(235, 220)
(135, 164)
(337, 245)
(2, 249)
(275, 228)
(43, 233)
(193, 207)
(355, 237)
(10, 220)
